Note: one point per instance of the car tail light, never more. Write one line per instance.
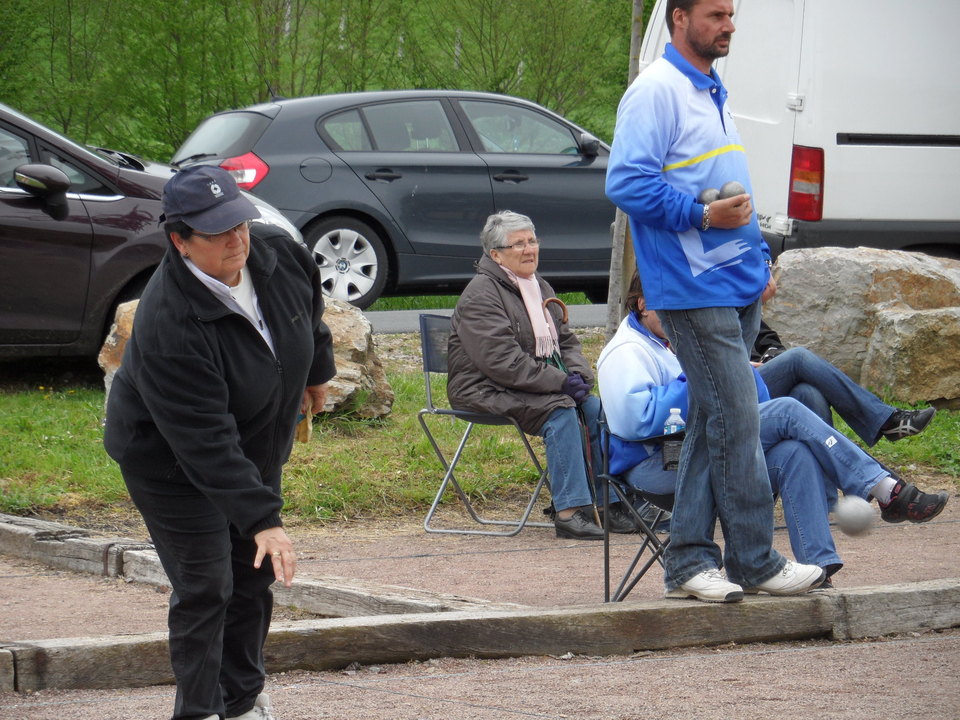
(247, 170)
(806, 183)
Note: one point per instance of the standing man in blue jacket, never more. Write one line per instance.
(705, 270)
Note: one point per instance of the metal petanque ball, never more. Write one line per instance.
(730, 189)
(708, 195)
(854, 515)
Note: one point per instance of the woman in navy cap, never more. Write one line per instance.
(228, 346)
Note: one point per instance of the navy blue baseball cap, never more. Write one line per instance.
(206, 198)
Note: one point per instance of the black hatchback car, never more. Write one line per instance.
(391, 189)
(78, 236)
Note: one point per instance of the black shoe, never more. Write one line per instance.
(577, 527)
(650, 512)
(904, 423)
(620, 520)
(909, 503)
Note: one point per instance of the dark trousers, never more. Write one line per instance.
(220, 607)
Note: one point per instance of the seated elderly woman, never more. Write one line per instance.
(511, 354)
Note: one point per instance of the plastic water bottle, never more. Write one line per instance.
(674, 423)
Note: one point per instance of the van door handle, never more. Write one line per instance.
(511, 176)
(385, 174)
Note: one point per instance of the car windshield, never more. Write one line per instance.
(62, 139)
(224, 135)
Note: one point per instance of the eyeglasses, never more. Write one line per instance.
(520, 246)
(225, 235)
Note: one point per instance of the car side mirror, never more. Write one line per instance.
(47, 183)
(589, 145)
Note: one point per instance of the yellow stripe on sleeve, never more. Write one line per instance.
(705, 156)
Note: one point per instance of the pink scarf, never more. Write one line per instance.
(544, 330)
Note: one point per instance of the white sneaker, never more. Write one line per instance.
(794, 579)
(709, 586)
(261, 710)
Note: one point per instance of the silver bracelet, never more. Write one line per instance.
(705, 224)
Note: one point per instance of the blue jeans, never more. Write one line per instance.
(801, 374)
(722, 471)
(808, 461)
(570, 483)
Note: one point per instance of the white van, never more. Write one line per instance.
(850, 114)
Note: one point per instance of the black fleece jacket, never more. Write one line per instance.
(200, 399)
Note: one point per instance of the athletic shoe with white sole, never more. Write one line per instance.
(794, 579)
(709, 586)
(906, 423)
(261, 710)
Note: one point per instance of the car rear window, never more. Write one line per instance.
(417, 126)
(225, 135)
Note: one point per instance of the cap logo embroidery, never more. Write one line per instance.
(215, 189)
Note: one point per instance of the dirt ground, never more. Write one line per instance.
(906, 676)
(899, 677)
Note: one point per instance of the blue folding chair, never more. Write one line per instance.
(434, 335)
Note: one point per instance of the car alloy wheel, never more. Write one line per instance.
(352, 260)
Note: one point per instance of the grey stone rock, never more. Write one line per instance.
(360, 386)
(889, 319)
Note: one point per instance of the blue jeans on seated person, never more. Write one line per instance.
(801, 374)
(570, 483)
(808, 461)
(722, 471)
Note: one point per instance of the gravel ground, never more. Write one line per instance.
(905, 676)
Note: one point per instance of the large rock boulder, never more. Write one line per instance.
(889, 319)
(360, 386)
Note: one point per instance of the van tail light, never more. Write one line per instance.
(248, 170)
(806, 184)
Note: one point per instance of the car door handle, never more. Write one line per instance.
(383, 174)
(511, 176)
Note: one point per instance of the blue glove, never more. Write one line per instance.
(576, 387)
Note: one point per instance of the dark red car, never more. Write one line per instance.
(79, 234)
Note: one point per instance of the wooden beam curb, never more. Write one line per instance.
(79, 550)
(603, 629)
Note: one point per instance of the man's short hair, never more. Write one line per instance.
(672, 5)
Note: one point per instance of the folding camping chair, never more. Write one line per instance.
(654, 541)
(434, 334)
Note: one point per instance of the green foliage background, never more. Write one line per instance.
(140, 76)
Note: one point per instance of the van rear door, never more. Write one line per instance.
(885, 107)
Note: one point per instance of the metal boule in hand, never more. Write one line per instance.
(730, 189)
(708, 195)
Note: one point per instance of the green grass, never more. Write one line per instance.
(448, 302)
(52, 459)
(52, 454)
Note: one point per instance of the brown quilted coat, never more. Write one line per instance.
(492, 367)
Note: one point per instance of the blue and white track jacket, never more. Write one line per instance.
(674, 137)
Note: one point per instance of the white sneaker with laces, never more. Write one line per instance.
(261, 710)
(709, 586)
(794, 579)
